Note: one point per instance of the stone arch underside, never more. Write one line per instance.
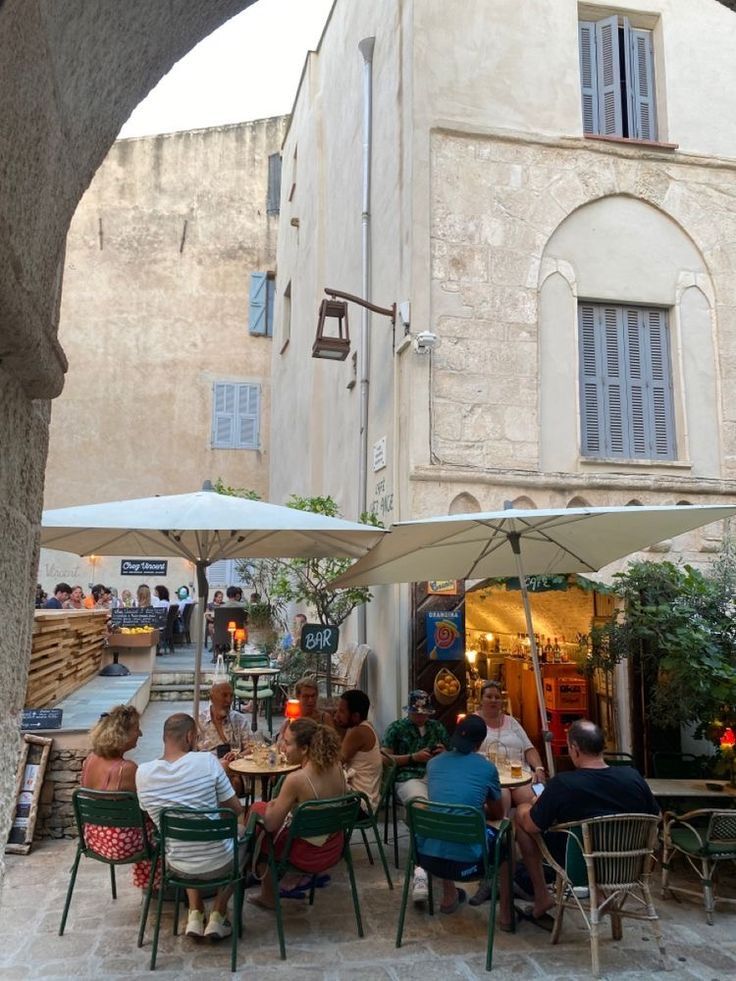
(70, 75)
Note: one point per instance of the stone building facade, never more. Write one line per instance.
(166, 314)
(578, 278)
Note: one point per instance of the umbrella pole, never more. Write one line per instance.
(202, 589)
(515, 542)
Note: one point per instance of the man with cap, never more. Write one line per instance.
(412, 742)
(463, 776)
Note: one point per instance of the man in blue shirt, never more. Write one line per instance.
(463, 776)
(62, 592)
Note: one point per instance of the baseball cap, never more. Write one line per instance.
(420, 701)
(469, 734)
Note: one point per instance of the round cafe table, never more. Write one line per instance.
(248, 768)
(254, 674)
(511, 783)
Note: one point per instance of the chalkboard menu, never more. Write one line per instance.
(144, 616)
(319, 638)
(41, 719)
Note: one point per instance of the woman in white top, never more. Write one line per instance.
(503, 729)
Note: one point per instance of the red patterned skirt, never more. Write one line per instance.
(117, 844)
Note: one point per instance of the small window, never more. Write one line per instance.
(286, 317)
(236, 416)
(625, 383)
(260, 304)
(273, 197)
(617, 79)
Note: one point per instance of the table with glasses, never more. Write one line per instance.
(254, 674)
(252, 769)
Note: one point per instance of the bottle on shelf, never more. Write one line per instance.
(547, 652)
(557, 652)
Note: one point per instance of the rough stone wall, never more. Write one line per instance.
(495, 204)
(70, 75)
(55, 812)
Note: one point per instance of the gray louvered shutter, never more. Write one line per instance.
(591, 404)
(610, 121)
(248, 417)
(655, 336)
(636, 361)
(273, 196)
(223, 416)
(614, 381)
(257, 304)
(640, 83)
(588, 76)
(270, 298)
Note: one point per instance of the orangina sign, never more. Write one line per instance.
(445, 635)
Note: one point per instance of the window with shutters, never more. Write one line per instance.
(260, 304)
(625, 383)
(236, 416)
(273, 194)
(617, 79)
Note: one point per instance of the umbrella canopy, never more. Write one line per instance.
(203, 527)
(520, 543)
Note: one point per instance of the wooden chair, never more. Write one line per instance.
(201, 828)
(705, 837)
(106, 809)
(613, 856)
(367, 818)
(313, 819)
(461, 825)
(222, 616)
(187, 622)
(167, 638)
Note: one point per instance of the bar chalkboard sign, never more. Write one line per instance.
(319, 638)
(41, 719)
(144, 616)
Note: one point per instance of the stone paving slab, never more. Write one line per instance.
(322, 942)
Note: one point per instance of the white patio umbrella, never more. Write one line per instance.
(203, 527)
(521, 543)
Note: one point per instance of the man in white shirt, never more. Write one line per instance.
(188, 779)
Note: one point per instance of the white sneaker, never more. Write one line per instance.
(420, 890)
(195, 924)
(217, 926)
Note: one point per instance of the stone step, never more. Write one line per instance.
(178, 692)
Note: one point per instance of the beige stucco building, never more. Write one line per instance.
(579, 281)
(166, 317)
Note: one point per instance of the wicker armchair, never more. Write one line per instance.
(705, 837)
(608, 865)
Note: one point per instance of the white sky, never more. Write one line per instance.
(248, 69)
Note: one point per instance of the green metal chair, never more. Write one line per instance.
(456, 824)
(107, 809)
(392, 806)
(313, 819)
(200, 828)
(614, 758)
(677, 766)
(705, 837)
(367, 818)
(243, 685)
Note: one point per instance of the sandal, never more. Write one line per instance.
(459, 900)
(296, 893)
(544, 922)
(320, 881)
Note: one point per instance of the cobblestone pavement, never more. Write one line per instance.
(321, 942)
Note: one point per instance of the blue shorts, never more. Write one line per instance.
(456, 869)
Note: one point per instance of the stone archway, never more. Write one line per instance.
(70, 75)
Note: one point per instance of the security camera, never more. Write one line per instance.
(426, 341)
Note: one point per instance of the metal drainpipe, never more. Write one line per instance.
(366, 49)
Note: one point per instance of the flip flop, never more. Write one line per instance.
(460, 899)
(295, 893)
(320, 881)
(544, 922)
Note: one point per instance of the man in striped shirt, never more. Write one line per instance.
(183, 778)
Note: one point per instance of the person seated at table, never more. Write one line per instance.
(316, 748)
(217, 600)
(360, 751)
(222, 730)
(411, 743)
(92, 601)
(106, 768)
(592, 789)
(307, 691)
(502, 730)
(235, 598)
(62, 592)
(143, 596)
(76, 599)
(464, 776)
(183, 778)
(161, 598)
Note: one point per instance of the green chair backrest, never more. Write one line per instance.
(109, 809)
(187, 824)
(618, 759)
(258, 660)
(722, 829)
(317, 818)
(457, 824)
(677, 766)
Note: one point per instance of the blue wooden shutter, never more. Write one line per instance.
(588, 76)
(273, 196)
(610, 119)
(248, 417)
(257, 304)
(223, 416)
(270, 298)
(640, 83)
(591, 406)
(662, 419)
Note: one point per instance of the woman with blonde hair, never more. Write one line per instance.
(316, 748)
(143, 596)
(106, 768)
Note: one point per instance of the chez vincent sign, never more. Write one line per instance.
(143, 567)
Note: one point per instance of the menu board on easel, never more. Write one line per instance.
(32, 764)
